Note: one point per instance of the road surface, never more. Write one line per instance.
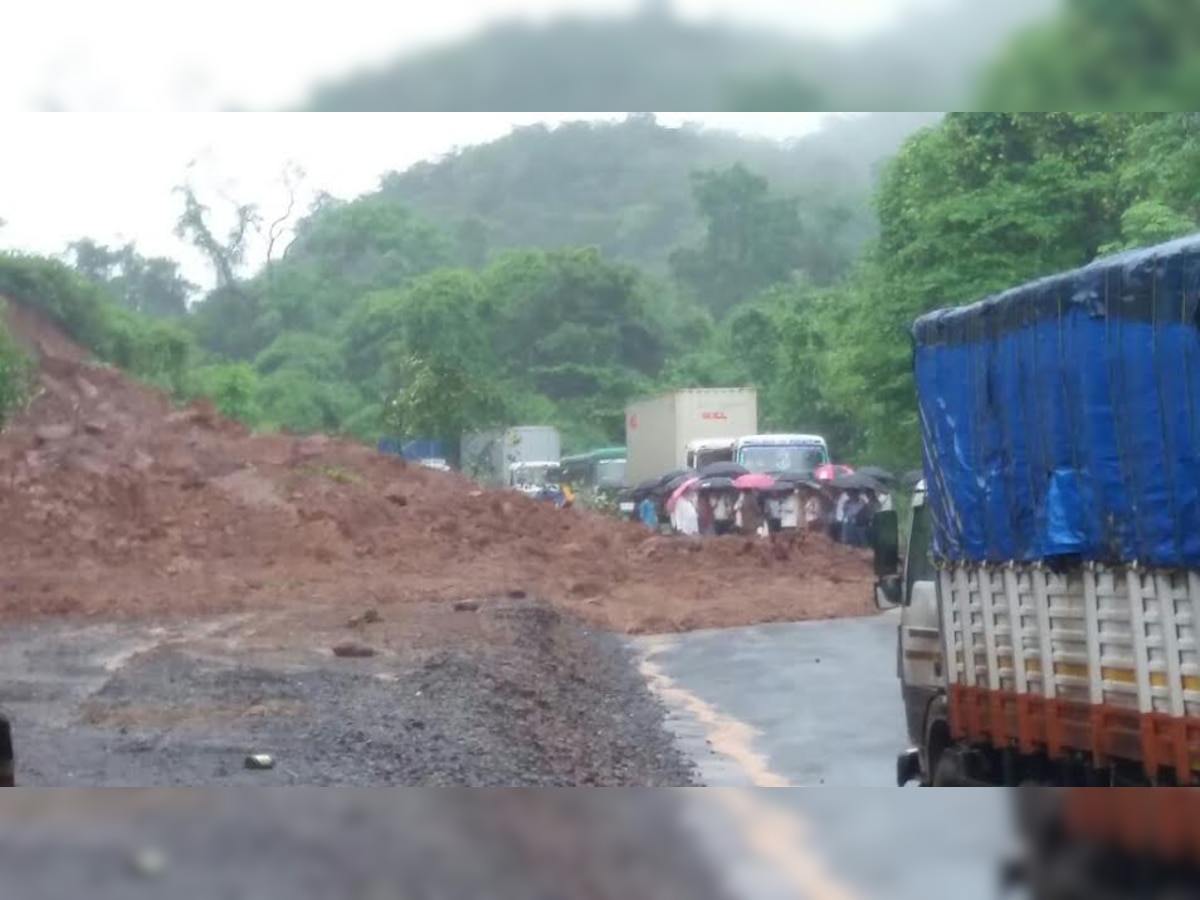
(817, 705)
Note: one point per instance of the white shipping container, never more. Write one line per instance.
(658, 429)
(487, 456)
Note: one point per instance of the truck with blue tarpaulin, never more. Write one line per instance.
(1050, 589)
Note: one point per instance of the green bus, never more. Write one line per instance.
(595, 473)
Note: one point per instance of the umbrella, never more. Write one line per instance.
(724, 470)
(880, 474)
(716, 483)
(855, 481)
(683, 488)
(755, 481)
(912, 479)
(829, 471)
(642, 488)
(669, 482)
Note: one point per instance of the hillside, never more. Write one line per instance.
(655, 60)
(626, 187)
(574, 62)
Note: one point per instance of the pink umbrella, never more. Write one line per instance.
(829, 471)
(679, 492)
(754, 481)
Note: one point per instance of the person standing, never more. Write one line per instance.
(749, 513)
(706, 514)
(684, 517)
(852, 515)
(814, 513)
(648, 513)
(837, 525)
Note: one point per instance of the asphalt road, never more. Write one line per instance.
(817, 705)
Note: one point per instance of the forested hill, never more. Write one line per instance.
(627, 187)
(655, 60)
(649, 61)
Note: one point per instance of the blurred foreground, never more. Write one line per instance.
(457, 844)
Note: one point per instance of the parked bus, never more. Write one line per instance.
(596, 475)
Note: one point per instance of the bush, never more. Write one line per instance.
(153, 350)
(232, 387)
(79, 306)
(16, 375)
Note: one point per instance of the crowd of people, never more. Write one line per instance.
(844, 515)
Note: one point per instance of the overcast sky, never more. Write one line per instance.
(109, 175)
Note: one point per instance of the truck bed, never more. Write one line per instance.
(1100, 660)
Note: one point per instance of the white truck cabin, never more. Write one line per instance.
(705, 452)
(533, 476)
(781, 452)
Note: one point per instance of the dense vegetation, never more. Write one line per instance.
(551, 276)
(15, 375)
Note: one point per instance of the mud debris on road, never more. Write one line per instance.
(113, 503)
(178, 593)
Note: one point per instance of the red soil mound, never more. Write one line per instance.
(113, 503)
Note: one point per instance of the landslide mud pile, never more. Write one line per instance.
(114, 503)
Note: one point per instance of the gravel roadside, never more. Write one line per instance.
(524, 696)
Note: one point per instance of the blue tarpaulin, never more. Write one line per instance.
(1060, 418)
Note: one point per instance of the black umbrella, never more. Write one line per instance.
(716, 483)
(672, 480)
(723, 470)
(645, 487)
(855, 481)
(675, 475)
(880, 474)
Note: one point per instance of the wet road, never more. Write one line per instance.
(818, 705)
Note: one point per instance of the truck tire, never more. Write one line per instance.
(947, 771)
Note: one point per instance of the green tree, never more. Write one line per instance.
(1102, 55)
(752, 239)
(151, 285)
(982, 202)
(442, 401)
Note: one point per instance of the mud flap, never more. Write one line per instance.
(908, 767)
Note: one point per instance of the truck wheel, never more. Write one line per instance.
(947, 772)
(1066, 873)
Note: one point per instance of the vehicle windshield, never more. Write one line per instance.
(535, 476)
(714, 455)
(782, 458)
(610, 473)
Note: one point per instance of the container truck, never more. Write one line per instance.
(489, 457)
(1050, 591)
(658, 430)
(707, 451)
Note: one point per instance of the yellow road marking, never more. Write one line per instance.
(782, 839)
(729, 736)
(779, 837)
